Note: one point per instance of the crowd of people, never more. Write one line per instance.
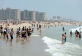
(23, 33)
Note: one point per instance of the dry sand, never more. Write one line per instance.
(15, 26)
(19, 25)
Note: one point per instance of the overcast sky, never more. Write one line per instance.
(65, 8)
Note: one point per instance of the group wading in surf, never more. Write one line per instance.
(24, 32)
(77, 35)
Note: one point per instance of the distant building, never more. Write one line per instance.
(22, 15)
(10, 14)
(16, 14)
(40, 16)
(25, 15)
(2, 14)
(32, 15)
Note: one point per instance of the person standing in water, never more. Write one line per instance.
(1, 30)
(7, 35)
(65, 37)
(29, 32)
(79, 35)
(70, 33)
(63, 29)
(4, 33)
(11, 34)
(17, 33)
(40, 29)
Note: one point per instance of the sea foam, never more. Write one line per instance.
(57, 49)
(78, 29)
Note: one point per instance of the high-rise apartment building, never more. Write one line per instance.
(28, 15)
(25, 15)
(22, 15)
(40, 16)
(2, 14)
(16, 14)
(10, 14)
(32, 15)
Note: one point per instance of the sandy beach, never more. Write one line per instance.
(48, 43)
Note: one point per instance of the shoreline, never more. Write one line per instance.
(35, 46)
(18, 47)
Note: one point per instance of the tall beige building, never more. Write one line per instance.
(18, 14)
(33, 16)
(15, 14)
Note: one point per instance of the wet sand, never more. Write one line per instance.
(18, 47)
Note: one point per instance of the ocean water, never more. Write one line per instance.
(53, 36)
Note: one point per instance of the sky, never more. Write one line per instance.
(65, 8)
